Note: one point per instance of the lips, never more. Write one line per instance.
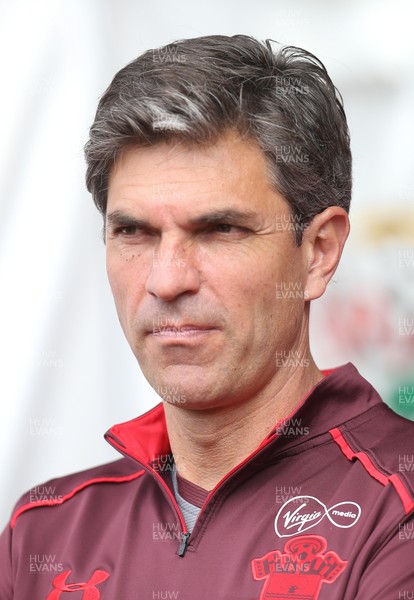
(175, 329)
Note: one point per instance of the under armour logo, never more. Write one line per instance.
(90, 591)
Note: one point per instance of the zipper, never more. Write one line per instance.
(185, 537)
(185, 534)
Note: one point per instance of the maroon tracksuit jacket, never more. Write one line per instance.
(323, 509)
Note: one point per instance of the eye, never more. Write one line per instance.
(128, 230)
(224, 227)
(222, 231)
(230, 230)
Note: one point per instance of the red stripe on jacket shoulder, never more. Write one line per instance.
(369, 466)
(78, 488)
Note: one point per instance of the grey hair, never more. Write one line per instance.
(196, 89)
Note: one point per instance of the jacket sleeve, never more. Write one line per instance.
(6, 579)
(390, 574)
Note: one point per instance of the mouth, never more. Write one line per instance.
(175, 329)
(180, 332)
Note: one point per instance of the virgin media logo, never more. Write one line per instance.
(304, 512)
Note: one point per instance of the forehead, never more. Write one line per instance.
(189, 178)
(228, 161)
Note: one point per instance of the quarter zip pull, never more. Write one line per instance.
(184, 544)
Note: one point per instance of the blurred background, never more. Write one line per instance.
(67, 373)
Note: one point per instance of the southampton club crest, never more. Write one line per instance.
(299, 571)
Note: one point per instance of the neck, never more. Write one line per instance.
(209, 443)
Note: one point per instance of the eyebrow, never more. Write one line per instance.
(226, 214)
(118, 217)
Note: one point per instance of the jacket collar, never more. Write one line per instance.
(342, 395)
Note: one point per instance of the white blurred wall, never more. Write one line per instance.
(66, 373)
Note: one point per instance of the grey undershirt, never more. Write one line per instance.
(190, 511)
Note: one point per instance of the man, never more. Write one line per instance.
(223, 172)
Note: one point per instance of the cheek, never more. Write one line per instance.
(114, 272)
(277, 292)
(123, 279)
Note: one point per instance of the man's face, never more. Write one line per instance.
(207, 280)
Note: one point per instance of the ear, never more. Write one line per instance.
(323, 242)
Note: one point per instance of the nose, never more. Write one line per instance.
(173, 272)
